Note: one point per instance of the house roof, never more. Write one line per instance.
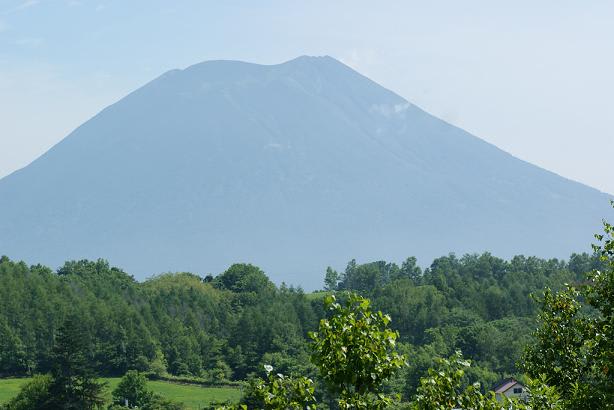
(505, 385)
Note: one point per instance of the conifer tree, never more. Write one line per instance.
(74, 385)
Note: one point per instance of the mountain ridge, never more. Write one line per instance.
(231, 161)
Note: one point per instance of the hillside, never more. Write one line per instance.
(292, 167)
(225, 328)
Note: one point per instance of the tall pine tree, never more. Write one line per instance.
(74, 385)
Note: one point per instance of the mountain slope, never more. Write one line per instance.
(292, 167)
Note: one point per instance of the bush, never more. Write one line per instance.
(132, 392)
(33, 395)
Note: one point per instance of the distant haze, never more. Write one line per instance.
(534, 78)
(292, 167)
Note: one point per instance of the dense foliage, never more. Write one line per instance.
(574, 349)
(355, 352)
(443, 389)
(227, 327)
(72, 382)
(478, 304)
(277, 392)
(33, 395)
(132, 393)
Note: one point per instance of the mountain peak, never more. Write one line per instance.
(232, 70)
(293, 167)
(307, 59)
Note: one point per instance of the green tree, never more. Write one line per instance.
(331, 279)
(158, 365)
(132, 393)
(355, 352)
(244, 277)
(12, 352)
(33, 395)
(282, 392)
(74, 384)
(411, 269)
(368, 277)
(574, 347)
(132, 390)
(442, 389)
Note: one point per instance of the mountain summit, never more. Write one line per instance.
(292, 167)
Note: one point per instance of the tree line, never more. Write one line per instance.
(227, 327)
(567, 364)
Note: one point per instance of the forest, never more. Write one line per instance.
(226, 328)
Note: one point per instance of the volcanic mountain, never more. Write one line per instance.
(292, 167)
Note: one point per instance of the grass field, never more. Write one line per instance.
(193, 396)
(9, 388)
(318, 295)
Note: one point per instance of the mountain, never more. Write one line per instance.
(292, 167)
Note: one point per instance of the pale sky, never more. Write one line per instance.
(535, 78)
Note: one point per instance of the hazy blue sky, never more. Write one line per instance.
(533, 77)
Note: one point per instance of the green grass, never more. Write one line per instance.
(9, 388)
(317, 295)
(193, 396)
